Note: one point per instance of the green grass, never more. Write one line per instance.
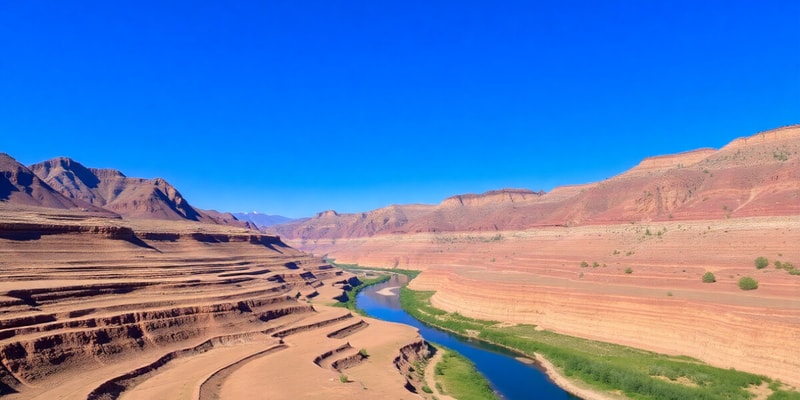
(457, 376)
(605, 366)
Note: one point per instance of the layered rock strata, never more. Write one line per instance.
(101, 309)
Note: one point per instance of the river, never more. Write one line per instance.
(510, 378)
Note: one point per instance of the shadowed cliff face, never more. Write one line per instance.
(753, 176)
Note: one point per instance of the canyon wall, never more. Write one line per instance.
(536, 276)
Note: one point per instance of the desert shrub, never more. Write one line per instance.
(748, 283)
(785, 265)
(584, 264)
(761, 262)
(709, 277)
(629, 270)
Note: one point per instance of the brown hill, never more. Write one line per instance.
(129, 197)
(21, 187)
(754, 176)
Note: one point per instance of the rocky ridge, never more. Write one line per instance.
(129, 197)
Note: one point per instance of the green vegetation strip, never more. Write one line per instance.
(351, 294)
(457, 376)
(637, 373)
(357, 268)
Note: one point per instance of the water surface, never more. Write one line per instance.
(509, 377)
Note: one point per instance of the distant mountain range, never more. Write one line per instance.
(262, 220)
(752, 176)
(63, 183)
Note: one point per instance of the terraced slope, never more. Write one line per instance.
(92, 308)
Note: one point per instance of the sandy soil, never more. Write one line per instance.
(388, 291)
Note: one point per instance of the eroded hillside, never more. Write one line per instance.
(104, 308)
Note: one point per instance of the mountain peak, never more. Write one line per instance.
(19, 185)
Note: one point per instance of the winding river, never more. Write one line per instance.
(510, 378)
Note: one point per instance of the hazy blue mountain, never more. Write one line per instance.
(262, 220)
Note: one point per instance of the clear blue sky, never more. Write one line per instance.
(294, 107)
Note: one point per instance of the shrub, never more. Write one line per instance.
(629, 270)
(363, 353)
(709, 277)
(584, 264)
(748, 283)
(343, 378)
(761, 262)
(785, 265)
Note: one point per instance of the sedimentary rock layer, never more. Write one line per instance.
(754, 176)
(573, 280)
(97, 308)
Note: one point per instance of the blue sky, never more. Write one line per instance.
(296, 107)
